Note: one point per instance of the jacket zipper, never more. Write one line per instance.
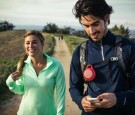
(102, 51)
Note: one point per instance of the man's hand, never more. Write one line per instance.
(87, 106)
(107, 100)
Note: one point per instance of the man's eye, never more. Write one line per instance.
(96, 24)
(34, 42)
(86, 26)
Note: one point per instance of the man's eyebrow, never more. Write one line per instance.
(97, 21)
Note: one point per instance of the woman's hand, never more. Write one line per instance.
(15, 75)
(87, 106)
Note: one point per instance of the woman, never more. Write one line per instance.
(37, 76)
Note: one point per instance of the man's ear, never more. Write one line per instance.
(107, 18)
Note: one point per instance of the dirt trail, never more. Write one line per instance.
(62, 53)
(10, 107)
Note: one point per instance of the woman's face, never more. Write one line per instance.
(94, 27)
(33, 46)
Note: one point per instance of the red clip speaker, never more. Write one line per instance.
(89, 73)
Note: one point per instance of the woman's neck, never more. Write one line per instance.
(40, 59)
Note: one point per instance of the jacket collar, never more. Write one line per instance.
(49, 61)
(108, 39)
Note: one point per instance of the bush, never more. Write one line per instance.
(7, 66)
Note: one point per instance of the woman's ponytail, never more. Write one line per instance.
(21, 64)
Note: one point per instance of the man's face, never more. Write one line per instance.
(95, 27)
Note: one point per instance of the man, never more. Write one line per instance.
(109, 82)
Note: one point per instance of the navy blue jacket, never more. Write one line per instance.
(109, 76)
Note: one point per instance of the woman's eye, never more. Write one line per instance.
(27, 43)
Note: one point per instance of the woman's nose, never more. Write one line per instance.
(30, 45)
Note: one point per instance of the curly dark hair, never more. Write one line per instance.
(98, 8)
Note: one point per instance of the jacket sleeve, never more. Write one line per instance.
(60, 90)
(76, 79)
(15, 86)
(127, 97)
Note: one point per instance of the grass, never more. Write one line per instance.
(73, 42)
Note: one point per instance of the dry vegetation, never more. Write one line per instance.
(11, 44)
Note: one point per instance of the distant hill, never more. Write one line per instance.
(38, 27)
(29, 27)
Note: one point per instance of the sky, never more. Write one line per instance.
(41, 12)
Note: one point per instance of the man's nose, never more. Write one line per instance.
(91, 30)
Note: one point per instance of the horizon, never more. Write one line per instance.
(38, 27)
(41, 27)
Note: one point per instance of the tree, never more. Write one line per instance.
(66, 30)
(4, 26)
(50, 28)
(115, 28)
(120, 30)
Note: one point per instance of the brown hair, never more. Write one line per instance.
(21, 63)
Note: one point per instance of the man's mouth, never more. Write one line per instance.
(95, 35)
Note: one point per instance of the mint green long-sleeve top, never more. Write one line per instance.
(39, 91)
